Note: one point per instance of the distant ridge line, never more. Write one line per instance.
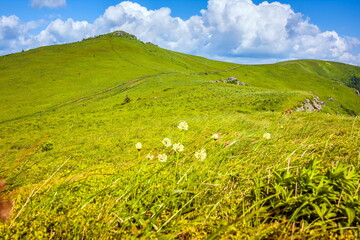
(214, 72)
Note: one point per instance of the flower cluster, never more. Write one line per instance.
(177, 147)
(215, 136)
(162, 157)
(150, 156)
(183, 126)
(166, 142)
(200, 154)
(138, 146)
(267, 136)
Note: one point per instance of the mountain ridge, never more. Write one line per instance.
(65, 73)
(85, 132)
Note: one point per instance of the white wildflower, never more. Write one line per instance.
(183, 126)
(178, 147)
(150, 156)
(138, 146)
(200, 154)
(215, 136)
(267, 136)
(166, 142)
(162, 157)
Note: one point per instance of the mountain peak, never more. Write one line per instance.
(123, 34)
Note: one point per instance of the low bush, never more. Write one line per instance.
(311, 197)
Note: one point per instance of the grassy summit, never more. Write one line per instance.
(72, 114)
(46, 78)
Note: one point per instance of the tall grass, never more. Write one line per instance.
(132, 196)
(68, 151)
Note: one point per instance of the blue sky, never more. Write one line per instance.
(242, 31)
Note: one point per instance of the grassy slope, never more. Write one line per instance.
(55, 75)
(94, 176)
(339, 73)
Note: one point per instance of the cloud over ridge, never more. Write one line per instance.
(226, 29)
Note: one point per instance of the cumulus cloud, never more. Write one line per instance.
(227, 29)
(156, 26)
(271, 30)
(48, 3)
(13, 34)
(59, 31)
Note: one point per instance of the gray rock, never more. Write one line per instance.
(124, 34)
(331, 99)
(231, 80)
(357, 92)
(314, 105)
(150, 43)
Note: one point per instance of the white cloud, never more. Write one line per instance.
(13, 34)
(48, 3)
(227, 29)
(152, 25)
(59, 31)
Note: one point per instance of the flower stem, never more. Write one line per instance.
(176, 166)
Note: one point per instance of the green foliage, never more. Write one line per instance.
(45, 78)
(94, 184)
(48, 78)
(354, 82)
(126, 100)
(311, 196)
(47, 146)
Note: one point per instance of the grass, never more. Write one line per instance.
(73, 171)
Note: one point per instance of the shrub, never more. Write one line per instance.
(311, 196)
(126, 100)
(47, 146)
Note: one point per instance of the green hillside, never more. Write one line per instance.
(72, 114)
(53, 76)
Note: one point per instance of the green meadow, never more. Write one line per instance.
(72, 114)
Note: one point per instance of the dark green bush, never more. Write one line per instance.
(354, 82)
(47, 146)
(311, 196)
(126, 100)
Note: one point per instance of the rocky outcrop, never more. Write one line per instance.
(152, 44)
(124, 34)
(314, 105)
(231, 80)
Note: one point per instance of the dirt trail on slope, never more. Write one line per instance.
(126, 85)
(214, 72)
(132, 82)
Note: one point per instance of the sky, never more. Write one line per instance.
(242, 31)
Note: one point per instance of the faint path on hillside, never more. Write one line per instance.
(120, 55)
(132, 82)
(125, 86)
(214, 72)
